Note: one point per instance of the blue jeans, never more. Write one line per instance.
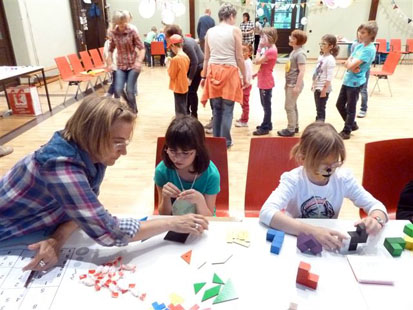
(363, 93)
(148, 54)
(266, 95)
(128, 77)
(223, 113)
(346, 106)
(112, 86)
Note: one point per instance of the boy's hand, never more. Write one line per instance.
(330, 239)
(372, 225)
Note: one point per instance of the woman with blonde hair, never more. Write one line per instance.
(57, 186)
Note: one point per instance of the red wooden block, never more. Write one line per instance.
(312, 281)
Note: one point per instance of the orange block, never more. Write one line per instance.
(187, 256)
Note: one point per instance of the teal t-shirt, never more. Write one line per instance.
(208, 183)
(366, 54)
(150, 36)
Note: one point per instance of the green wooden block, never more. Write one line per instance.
(217, 279)
(398, 240)
(198, 286)
(213, 291)
(408, 229)
(228, 293)
(394, 248)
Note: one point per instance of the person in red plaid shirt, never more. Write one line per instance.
(131, 53)
(57, 186)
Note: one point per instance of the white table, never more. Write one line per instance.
(8, 73)
(262, 280)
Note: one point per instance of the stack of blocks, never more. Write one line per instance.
(306, 278)
(395, 246)
(308, 242)
(358, 236)
(277, 238)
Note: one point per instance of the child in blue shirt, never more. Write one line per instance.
(357, 65)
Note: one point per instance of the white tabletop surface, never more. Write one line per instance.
(262, 280)
(7, 72)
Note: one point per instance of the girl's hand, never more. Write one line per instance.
(323, 93)
(246, 84)
(202, 83)
(46, 257)
(191, 195)
(329, 239)
(189, 223)
(296, 90)
(169, 190)
(372, 225)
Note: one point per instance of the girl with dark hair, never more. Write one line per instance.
(323, 74)
(186, 180)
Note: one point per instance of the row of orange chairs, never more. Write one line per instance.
(74, 71)
(388, 166)
(395, 46)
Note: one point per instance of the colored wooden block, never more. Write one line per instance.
(175, 307)
(398, 240)
(187, 256)
(394, 248)
(198, 286)
(227, 293)
(157, 306)
(230, 236)
(209, 293)
(361, 231)
(175, 299)
(308, 242)
(216, 279)
(312, 280)
(409, 243)
(194, 307)
(304, 277)
(277, 242)
(271, 234)
(408, 229)
(302, 240)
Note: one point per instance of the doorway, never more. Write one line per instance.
(6, 48)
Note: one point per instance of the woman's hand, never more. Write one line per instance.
(372, 225)
(191, 195)
(137, 66)
(329, 239)
(189, 223)
(169, 190)
(46, 257)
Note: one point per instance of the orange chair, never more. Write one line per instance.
(97, 60)
(88, 65)
(71, 78)
(381, 48)
(268, 159)
(388, 166)
(396, 45)
(102, 53)
(388, 69)
(409, 49)
(157, 49)
(217, 148)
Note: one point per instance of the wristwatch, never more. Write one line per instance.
(379, 220)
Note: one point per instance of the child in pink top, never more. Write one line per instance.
(265, 79)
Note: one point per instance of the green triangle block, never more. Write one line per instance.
(217, 279)
(227, 293)
(213, 291)
(198, 286)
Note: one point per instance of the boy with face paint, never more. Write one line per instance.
(317, 188)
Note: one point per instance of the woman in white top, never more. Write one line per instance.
(223, 57)
(317, 189)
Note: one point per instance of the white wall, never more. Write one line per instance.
(345, 22)
(40, 30)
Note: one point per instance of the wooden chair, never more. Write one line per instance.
(70, 77)
(217, 148)
(388, 166)
(388, 69)
(268, 159)
(157, 49)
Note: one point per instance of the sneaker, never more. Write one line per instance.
(261, 132)
(297, 130)
(259, 126)
(238, 123)
(286, 133)
(229, 146)
(344, 135)
(5, 150)
(362, 114)
(209, 125)
(208, 131)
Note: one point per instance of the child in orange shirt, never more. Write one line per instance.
(177, 69)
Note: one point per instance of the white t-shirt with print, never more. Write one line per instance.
(324, 71)
(300, 198)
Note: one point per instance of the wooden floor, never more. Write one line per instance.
(128, 186)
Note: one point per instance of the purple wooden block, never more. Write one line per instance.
(302, 240)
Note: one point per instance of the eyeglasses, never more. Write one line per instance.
(332, 167)
(183, 154)
(121, 145)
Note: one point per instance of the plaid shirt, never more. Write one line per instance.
(247, 38)
(57, 183)
(126, 43)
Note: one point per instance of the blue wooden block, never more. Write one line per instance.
(271, 234)
(277, 242)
